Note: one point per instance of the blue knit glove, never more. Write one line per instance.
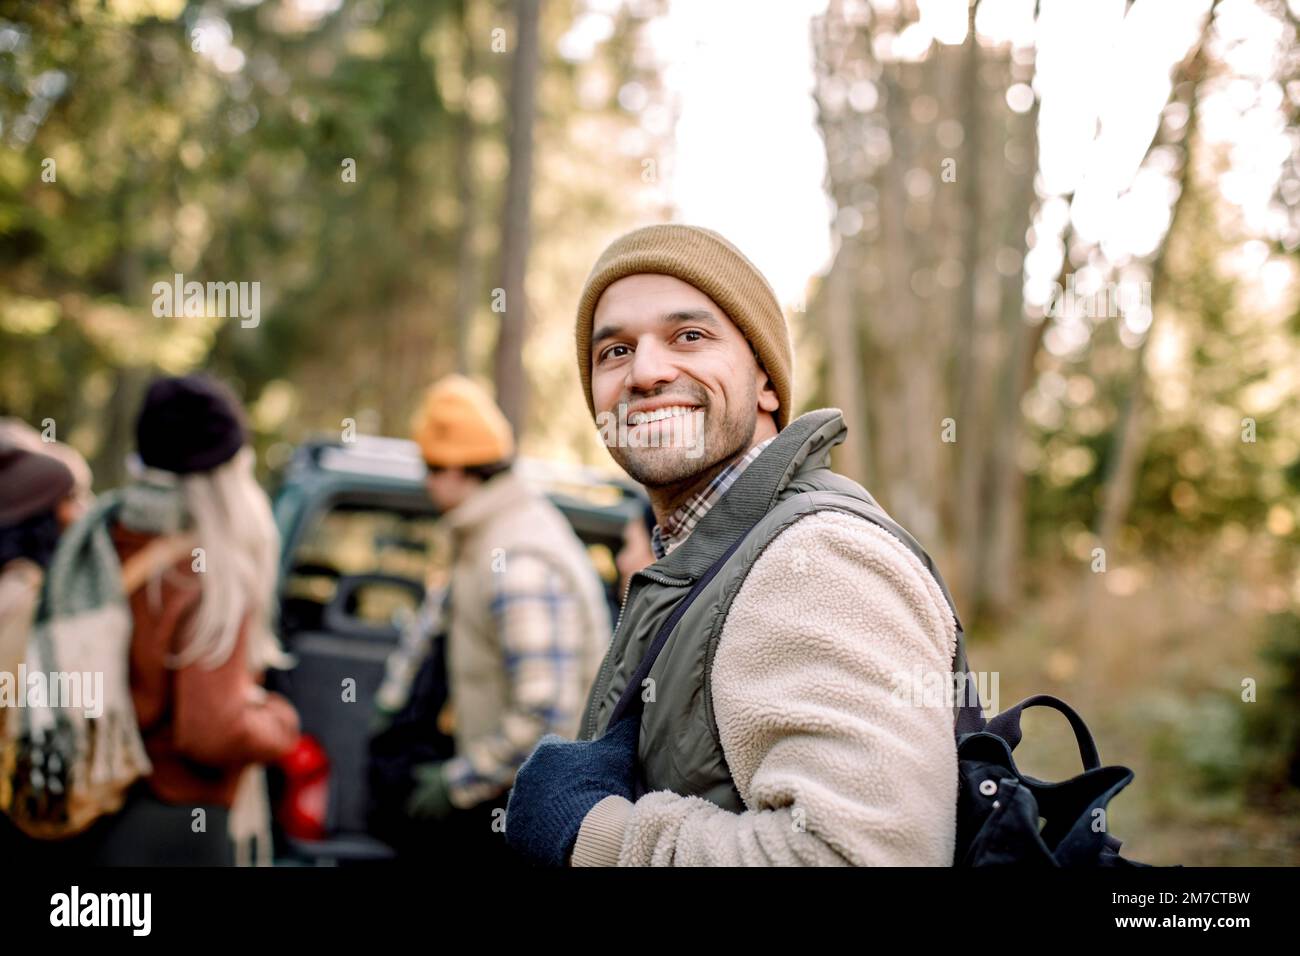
(559, 784)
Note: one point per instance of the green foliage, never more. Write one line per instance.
(219, 144)
(1271, 731)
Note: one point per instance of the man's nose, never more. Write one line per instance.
(651, 366)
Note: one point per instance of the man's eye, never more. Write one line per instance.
(695, 332)
(609, 352)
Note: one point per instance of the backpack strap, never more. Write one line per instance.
(631, 697)
(968, 717)
(1007, 726)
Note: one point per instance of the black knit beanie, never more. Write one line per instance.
(188, 424)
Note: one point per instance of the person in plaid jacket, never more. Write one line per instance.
(527, 620)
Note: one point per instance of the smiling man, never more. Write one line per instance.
(769, 730)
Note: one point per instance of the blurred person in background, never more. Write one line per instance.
(203, 631)
(201, 638)
(637, 552)
(527, 623)
(44, 488)
(16, 432)
(36, 503)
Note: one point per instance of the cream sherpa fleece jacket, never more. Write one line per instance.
(834, 766)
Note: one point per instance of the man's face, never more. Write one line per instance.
(660, 345)
(448, 487)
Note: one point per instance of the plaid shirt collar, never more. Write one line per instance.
(682, 522)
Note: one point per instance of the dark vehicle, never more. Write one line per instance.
(361, 544)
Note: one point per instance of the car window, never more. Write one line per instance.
(354, 540)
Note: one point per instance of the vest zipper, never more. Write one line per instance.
(607, 665)
(599, 690)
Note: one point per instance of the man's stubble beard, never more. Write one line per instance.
(662, 467)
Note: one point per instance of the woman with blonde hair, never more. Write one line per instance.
(202, 638)
(203, 625)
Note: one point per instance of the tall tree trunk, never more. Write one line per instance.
(512, 387)
(998, 564)
(467, 194)
(119, 415)
(967, 408)
(843, 358)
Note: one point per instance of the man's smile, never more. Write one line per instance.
(646, 414)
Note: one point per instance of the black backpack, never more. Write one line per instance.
(412, 737)
(998, 807)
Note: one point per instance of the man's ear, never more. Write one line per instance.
(767, 397)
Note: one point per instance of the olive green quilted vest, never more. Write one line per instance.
(680, 749)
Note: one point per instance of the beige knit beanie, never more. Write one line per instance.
(711, 264)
